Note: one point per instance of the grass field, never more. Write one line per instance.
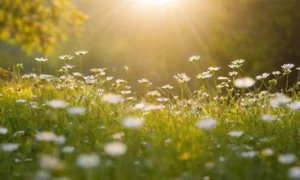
(71, 126)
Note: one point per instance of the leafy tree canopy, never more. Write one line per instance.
(38, 24)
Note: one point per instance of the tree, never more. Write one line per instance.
(38, 24)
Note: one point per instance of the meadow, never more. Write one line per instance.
(72, 126)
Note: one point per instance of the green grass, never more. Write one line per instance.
(169, 145)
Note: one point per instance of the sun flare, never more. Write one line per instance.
(155, 2)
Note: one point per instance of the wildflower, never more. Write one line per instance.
(204, 75)
(181, 78)
(294, 173)
(287, 158)
(263, 76)
(222, 78)
(162, 99)
(248, 154)
(268, 117)
(109, 78)
(76, 110)
(40, 59)
(80, 53)
(90, 79)
(62, 178)
(118, 135)
(42, 175)
(50, 162)
(153, 93)
(167, 86)
(115, 148)
(168, 140)
(235, 133)
(143, 81)
(88, 160)
(57, 104)
(245, 82)
(10, 147)
(112, 98)
(3, 130)
(133, 122)
(222, 85)
(213, 69)
(295, 105)
(120, 81)
(66, 57)
(68, 67)
(46, 77)
(20, 66)
(288, 66)
(125, 92)
(100, 71)
(280, 99)
(194, 58)
(209, 165)
(267, 152)
(233, 73)
(276, 73)
(206, 123)
(18, 133)
(29, 76)
(20, 101)
(60, 139)
(78, 74)
(234, 66)
(46, 136)
(238, 61)
(68, 149)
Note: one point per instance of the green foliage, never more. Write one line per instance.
(60, 126)
(38, 24)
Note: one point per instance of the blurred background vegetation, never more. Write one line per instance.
(154, 42)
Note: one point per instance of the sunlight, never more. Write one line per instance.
(155, 2)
